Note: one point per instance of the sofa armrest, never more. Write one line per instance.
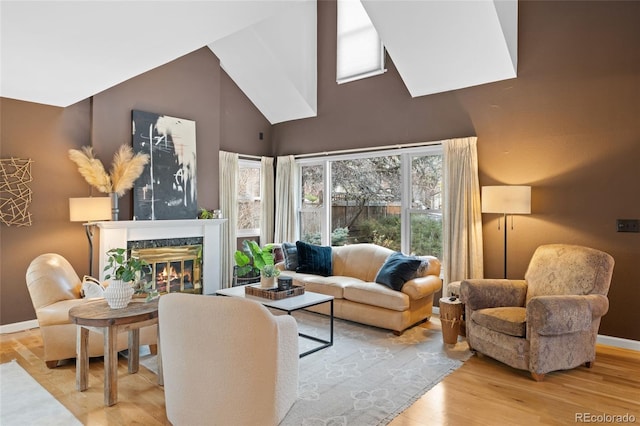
(492, 293)
(555, 315)
(57, 313)
(420, 287)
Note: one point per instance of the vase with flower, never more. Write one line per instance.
(127, 166)
(125, 271)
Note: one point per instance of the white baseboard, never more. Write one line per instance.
(617, 342)
(18, 326)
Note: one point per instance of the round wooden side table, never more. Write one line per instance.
(98, 316)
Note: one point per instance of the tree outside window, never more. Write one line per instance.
(368, 203)
(248, 199)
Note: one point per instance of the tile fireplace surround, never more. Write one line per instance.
(115, 234)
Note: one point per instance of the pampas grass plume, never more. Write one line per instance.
(126, 168)
(91, 168)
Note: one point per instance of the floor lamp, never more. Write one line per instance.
(89, 209)
(506, 199)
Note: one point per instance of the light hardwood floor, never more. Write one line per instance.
(481, 392)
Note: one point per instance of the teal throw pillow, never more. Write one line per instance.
(397, 270)
(313, 259)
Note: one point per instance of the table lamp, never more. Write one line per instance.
(506, 199)
(89, 209)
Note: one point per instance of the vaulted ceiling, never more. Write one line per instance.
(61, 52)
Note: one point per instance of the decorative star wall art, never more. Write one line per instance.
(15, 194)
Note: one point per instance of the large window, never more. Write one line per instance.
(390, 198)
(248, 199)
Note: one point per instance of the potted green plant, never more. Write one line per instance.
(250, 261)
(206, 214)
(268, 275)
(125, 271)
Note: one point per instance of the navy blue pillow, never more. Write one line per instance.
(397, 270)
(313, 259)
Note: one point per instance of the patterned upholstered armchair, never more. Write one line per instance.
(548, 321)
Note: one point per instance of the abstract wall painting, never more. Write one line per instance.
(167, 187)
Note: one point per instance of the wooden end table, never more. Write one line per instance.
(98, 316)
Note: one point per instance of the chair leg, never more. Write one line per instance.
(538, 377)
(51, 364)
(589, 364)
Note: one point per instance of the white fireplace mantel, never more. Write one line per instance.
(116, 234)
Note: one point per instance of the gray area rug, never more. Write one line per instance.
(368, 376)
(23, 401)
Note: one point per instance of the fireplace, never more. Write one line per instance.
(188, 255)
(175, 265)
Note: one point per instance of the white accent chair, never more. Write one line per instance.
(54, 287)
(226, 361)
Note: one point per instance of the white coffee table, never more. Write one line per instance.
(290, 304)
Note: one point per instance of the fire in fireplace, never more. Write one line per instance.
(173, 268)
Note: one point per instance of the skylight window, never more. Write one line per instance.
(360, 52)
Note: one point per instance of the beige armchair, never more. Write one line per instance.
(54, 287)
(226, 361)
(548, 321)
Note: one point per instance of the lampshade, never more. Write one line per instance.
(511, 199)
(87, 209)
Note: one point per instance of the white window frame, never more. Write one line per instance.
(407, 210)
(249, 164)
(406, 155)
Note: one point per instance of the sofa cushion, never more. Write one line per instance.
(507, 320)
(331, 286)
(362, 261)
(376, 295)
(313, 259)
(290, 252)
(397, 270)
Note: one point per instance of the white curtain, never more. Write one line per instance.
(229, 207)
(286, 175)
(462, 216)
(267, 200)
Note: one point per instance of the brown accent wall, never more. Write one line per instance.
(192, 87)
(569, 126)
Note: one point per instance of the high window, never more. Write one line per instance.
(360, 52)
(390, 198)
(248, 199)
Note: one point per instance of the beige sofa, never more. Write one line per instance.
(359, 298)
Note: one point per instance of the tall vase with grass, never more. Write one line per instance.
(127, 166)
